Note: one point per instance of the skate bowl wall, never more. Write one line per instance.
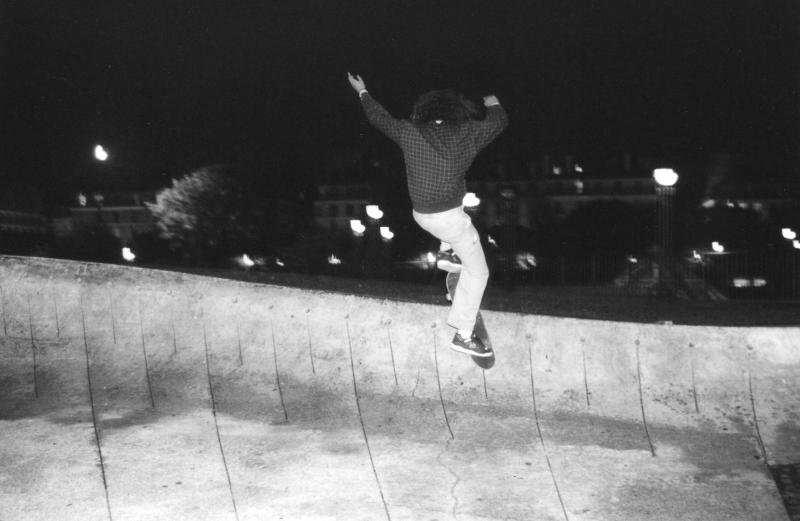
(155, 338)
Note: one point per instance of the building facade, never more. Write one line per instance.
(125, 215)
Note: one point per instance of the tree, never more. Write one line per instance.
(216, 212)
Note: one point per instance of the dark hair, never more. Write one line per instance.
(446, 105)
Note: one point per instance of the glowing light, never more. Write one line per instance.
(788, 234)
(82, 199)
(471, 200)
(632, 259)
(246, 261)
(128, 255)
(525, 261)
(386, 233)
(279, 263)
(431, 257)
(665, 176)
(491, 240)
(374, 212)
(333, 260)
(709, 203)
(578, 168)
(100, 153)
(357, 226)
(759, 282)
(696, 256)
(717, 247)
(796, 244)
(741, 283)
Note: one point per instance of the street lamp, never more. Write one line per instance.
(128, 255)
(374, 212)
(665, 176)
(665, 179)
(386, 233)
(357, 227)
(100, 153)
(471, 200)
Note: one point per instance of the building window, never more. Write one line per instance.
(333, 211)
(349, 210)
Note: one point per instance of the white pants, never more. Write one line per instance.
(455, 227)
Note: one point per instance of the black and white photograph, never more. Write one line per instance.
(409, 260)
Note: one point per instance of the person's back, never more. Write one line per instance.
(439, 143)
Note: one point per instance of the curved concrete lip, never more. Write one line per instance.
(139, 394)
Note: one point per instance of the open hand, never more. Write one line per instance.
(356, 82)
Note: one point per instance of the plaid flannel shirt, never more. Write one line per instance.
(436, 156)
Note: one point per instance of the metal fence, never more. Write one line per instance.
(774, 275)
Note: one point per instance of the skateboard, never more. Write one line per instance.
(484, 362)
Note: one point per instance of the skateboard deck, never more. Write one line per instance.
(484, 362)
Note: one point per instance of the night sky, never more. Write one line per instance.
(181, 84)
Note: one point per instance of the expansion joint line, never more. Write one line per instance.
(755, 419)
(216, 423)
(33, 350)
(539, 431)
(694, 384)
(146, 364)
(361, 421)
(174, 336)
(239, 343)
(277, 373)
(93, 410)
(439, 385)
(585, 374)
(391, 350)
(310, 350)
(641, 401)
(456, 478)
(3, 306)
(111, 315)
(55, 307)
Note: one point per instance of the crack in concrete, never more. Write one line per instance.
(456, 479)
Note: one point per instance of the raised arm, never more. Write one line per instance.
(496, 121)
(378, 116)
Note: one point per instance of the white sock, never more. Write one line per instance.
(463, 333)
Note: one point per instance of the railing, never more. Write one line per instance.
(619, 272)
(774, 275)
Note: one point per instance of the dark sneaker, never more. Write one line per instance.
(471, 346)
(448, 261)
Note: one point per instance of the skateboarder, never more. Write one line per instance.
(439, 143)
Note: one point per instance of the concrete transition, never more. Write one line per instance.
(138, 394)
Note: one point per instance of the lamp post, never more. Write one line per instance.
(665, 178)
(100, 154)
(374, 238)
